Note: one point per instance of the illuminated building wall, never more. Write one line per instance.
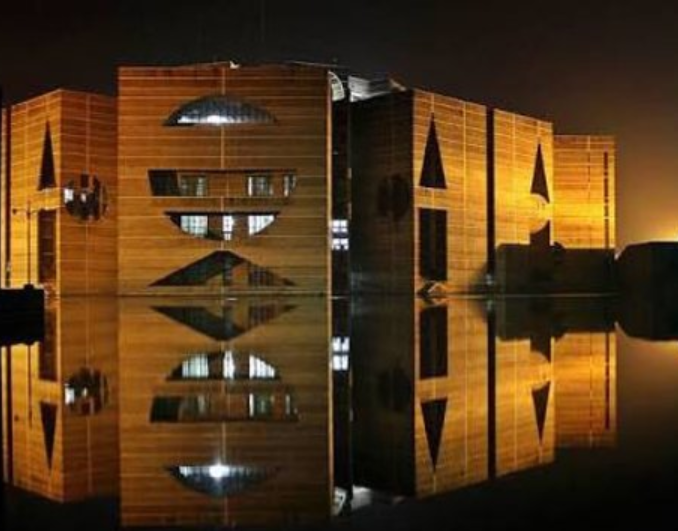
(63, 440)
(522, 179)
(525, 414)
(584, 211)
(63, 187)
(450, 197)
(451, 412)
(586, 394)
(260, 178)
(419, 194)
(224, 179)
(225, 411)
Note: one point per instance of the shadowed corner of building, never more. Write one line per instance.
(648, 282)
(21, 315)
(553, 269)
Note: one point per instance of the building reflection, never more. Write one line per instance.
(62, 441)
(275, 411)
(455, 392)
(581, 340)
(225, 411)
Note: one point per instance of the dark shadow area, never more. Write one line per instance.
(223, 268)
(648, 279)
(21, 316)
(433, 169)
(224, 322)
(544, 268)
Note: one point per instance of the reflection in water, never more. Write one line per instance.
(280, 411)
(227, 366)
(220, 480)
(225, 321)
(445, 398)
(224, 414)
(62, 441)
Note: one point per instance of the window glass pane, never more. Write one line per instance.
(259, 185)
(195, 225)
(193, 185)
(289, 184)
(228, 226)
(258, 223)
(218, 111)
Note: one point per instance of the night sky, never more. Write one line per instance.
(610, 68)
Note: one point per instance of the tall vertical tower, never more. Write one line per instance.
(584, 214)
(63, 175)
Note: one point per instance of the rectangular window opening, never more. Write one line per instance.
(193, 185)
(433, 342)
(289, 184)
(259, 185)
(433, 244)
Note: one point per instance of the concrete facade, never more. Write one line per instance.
(59, 207)
(291, 179)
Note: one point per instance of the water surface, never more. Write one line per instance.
(307, 412)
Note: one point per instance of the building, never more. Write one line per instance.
(297, 179)
(454, 197)
(59, 208)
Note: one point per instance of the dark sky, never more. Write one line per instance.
(609, 68)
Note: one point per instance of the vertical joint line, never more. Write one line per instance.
(491, 394)
(491, 229)
(8, 196)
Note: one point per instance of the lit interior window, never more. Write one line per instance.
(340, 244)
(220, 479)
(69, 195)
(86, 391)
(69, 395)
(196, 367)
(340, 240)
(228, 224)
(218, 111)
(260, 405)
(337, 87)
(194, 225)
(339, 227)
(258, 223)
(259, 369)
(341, 346)
(222, 226)
(193, 185)
(289, 184)
(259, 186)
(290, 410)
(340, 362)
(229, 365)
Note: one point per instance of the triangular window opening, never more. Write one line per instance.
(47, 177)
(48, 414)
(539, 183)
(432, 172)
(434, 420)
(540, 399)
